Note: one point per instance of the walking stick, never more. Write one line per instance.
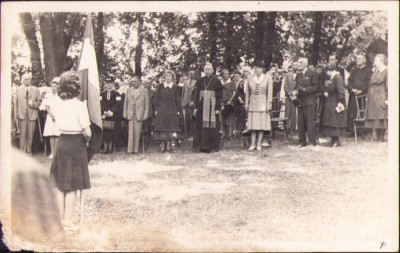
(221, 125)
(40, 130)
(81, 210)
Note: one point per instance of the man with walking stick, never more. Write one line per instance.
(27, 102)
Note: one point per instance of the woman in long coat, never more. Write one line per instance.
(258, 103)
(167, 106)
(334, 120)
(110, 103)
(376, 110)
(238, 103)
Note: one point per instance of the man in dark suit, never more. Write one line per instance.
(307, 86)
(27, 102)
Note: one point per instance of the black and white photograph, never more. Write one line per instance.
(200, 126)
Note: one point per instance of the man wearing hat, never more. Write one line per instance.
(27, 102)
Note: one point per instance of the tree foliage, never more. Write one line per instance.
(148, 43)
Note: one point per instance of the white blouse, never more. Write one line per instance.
(71, 116)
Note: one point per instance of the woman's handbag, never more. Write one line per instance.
(108, 125)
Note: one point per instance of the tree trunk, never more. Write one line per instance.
(259, 37)
(99, 41)
(59, 19)
(212, 36)
(343, 49)
(229, 57)
(30, 33)
(317, 37)
(269, 39)
(47, 30)
(139, 49)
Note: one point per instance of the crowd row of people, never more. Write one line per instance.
(213, 108)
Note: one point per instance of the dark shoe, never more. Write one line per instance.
(162, 148)
(336, 144)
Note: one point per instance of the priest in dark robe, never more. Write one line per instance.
(207, 98)
(358, 85)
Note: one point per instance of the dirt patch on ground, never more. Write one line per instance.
(282, 198)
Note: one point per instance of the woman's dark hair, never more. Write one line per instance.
(237, 72)
(69, 85)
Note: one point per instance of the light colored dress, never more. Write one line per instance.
(259, 102)
(50, 126)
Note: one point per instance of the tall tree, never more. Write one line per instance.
(212, 36)
(269, 38)
(29, 29)
(58, 31)
(318, 16)
(229, 57)
(99, 39)
(259, 37)
(139, 45)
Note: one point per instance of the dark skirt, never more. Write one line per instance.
(167, 119)
(333, 131)
(70, 163)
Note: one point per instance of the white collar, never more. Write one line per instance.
(228, 81)
(334, 73)
(380, 69)
(304, 70)
(166, 85)
(258, 80)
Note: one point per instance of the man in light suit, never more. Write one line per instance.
(27, 102)
(136, 109)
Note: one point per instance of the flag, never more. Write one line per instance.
(90, 92)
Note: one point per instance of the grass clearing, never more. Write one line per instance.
(282, 198)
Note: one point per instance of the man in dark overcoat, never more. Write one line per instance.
(358, 85)
(307, 86)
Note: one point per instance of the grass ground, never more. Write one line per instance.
(282, 198)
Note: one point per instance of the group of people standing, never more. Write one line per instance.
(323, 96)
(210, 108)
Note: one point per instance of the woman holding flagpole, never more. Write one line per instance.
(69, 168)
